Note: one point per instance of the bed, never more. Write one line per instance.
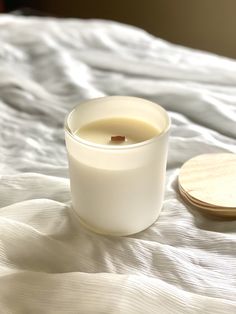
(49, 263)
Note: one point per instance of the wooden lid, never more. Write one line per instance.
(209, 182)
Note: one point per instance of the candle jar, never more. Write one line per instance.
(117, 189)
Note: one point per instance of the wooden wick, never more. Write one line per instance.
(118, 138)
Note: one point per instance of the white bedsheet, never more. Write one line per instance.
(185, 262)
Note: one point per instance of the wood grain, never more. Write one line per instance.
(209, 182)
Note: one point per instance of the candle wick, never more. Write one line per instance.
(118, 138)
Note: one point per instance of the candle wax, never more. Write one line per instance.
(101, 131)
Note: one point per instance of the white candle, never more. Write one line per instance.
(117, 149)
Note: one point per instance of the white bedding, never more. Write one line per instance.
(185, 262)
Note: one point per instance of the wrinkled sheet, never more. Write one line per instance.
(185, 262)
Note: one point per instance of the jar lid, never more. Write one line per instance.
(209, 182)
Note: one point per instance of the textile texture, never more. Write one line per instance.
(185, 262)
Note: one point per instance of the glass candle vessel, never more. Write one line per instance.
(117, 189)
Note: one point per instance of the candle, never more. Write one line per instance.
(117, 148)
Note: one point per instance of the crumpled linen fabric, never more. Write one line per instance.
(185, 262)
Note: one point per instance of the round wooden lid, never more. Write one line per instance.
(209, 181)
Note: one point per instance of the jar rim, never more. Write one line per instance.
(117, 147)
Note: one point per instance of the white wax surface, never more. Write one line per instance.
(134, 130)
